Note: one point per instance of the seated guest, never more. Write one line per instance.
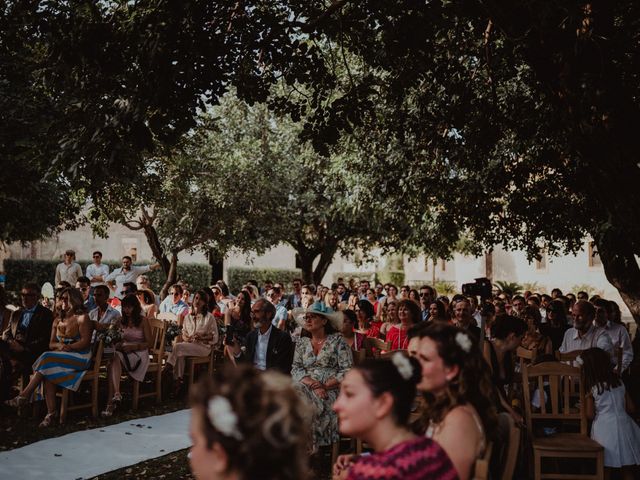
(132, 352)
(319, 364)
(438, 312)
(274, 295)
(463, 318)
(104, 314)
(388, 310)
(366, 322)
(174, 303)
(199, 335)
(533, 339)
(506, 336)
(29, 331)
(84, 285)
(147, 300)
(267, 347)
(354, 339)
(459, 398)
(374, 405)
(556, 323)
(247, 424)
(584, 333)
(69, 359)
(409, 315)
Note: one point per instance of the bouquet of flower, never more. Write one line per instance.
(111, 336)
(173, 330)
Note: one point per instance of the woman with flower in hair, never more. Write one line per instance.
(248, 424)
(374, 405)
(459, 398)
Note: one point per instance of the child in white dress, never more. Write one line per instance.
(607, 403)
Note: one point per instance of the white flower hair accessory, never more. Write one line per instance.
(463, 341)
(222, 417)
(403, 365)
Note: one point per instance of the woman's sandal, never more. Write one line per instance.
(17, 401)
(112, 405)
(48, 420)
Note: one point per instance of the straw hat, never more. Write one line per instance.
(319, 308)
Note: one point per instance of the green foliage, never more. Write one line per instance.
(346, 276)
(239, 276)
(444, 287)
(19, 272)
(533, 287)
(510, 288)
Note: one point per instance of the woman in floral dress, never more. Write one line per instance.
(319, 365)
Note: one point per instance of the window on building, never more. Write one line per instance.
(594, 256)
(443, 264)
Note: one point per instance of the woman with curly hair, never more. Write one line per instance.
(438, 312)
(248, 424)
(67, 362)
(459, 400)
(409, 315)
(366, 322)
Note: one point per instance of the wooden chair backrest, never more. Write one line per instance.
(167, 317)
(568, 357)
(359, 356)
(481, 468)
(97, 358)
(158, 329)
(561, 378)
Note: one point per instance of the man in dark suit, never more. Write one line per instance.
(266, 346)
(29, 331)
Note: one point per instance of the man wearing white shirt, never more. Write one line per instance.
(126, 274)
(104, 314)
(97, 271)
(618, 334)
(584, 334)
(68, 270)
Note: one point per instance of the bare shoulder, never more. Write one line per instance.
(463, 416)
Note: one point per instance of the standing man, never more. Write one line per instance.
(126, 274)
(584, 333)
(97, 271)
(68, 270)
(29, 330)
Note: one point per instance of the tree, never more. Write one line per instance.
(514, 122)
(285, 190)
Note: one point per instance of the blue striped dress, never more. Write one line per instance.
(65, 369)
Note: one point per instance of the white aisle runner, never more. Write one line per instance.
(88, 453)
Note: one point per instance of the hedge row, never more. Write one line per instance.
(239, 276)
(19, 272)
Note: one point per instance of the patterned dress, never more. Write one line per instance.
(416, 459)
(333, 360)
(65, 369)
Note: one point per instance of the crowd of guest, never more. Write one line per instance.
(458, 354)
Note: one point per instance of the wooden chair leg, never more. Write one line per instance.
(159, 385)
(358, 446)
(94, 397)
(63, 405)
(537, 465)
(136, 394)
(600, 465)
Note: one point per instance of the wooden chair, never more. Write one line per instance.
(92, 375)
(560, 377)
(156, 352)
(481, 468)
(510, 453)
(359, 356)
(568, 357)
(167, 317)
(524, 355)
(193, 361)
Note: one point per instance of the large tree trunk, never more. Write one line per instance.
(621, 268)
(306, 265)
(172, 275)
(326, 257)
